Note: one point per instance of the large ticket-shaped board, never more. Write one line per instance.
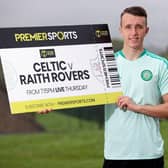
(58, 67)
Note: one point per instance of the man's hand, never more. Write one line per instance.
(44, 111)
(125, 102)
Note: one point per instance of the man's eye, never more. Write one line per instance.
(139, 27)
(128, 27)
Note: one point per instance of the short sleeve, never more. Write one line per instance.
(163, 77)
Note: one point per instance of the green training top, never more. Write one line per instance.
(130, 135)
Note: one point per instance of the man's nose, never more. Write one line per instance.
(134, 30)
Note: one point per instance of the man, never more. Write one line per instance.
(132, 135)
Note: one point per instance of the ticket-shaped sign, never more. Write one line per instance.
(58, 67)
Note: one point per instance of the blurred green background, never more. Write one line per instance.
(68, 142)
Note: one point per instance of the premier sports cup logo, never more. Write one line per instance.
(47, 53)
(101, 33)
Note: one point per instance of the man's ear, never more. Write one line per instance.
(147, 30)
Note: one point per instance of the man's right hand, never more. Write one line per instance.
(45, 111)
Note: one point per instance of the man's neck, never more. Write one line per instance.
(131, 53)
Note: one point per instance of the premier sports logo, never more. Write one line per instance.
(45, 36)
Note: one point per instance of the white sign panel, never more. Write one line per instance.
(59, 67)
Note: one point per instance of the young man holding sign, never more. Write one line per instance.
(132, 135)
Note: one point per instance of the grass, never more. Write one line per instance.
(50, 150)
(68, 143)
(164, 132)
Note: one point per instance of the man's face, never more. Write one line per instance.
(133, 29)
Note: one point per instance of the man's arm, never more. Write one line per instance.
(160, 111)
